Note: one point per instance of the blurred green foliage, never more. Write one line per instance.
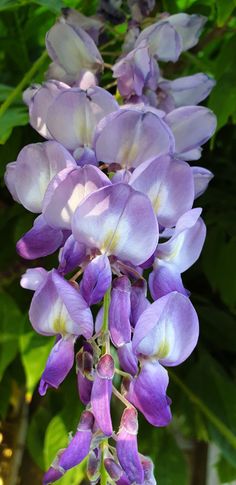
(203, 389)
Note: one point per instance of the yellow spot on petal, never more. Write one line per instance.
(59, 325)
(163, 350)
(110, 242)
(156, 203)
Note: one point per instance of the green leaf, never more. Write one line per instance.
(218, 327)
(217, 392)
(226, 471)
(35, 436)
(171, 465)
(34, 353)
(223, 98)
(224, 10)
(56, 437)
(53, 5)
(4, 91)
(11, 321)
(14, 116)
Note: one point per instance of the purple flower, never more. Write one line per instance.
(40, 240)
(169, 185)
(172, 35)
(70, 47)
(192, 126)
(96, 279)
(66, 115)
(66, 192)
(118, 221)
(39, 100)
(75, 452)
(136, 71)
(58, 308)
(127, 448)
(184, 91)
(101, 394)
(35, 167)
(132, 136)
(119, 312)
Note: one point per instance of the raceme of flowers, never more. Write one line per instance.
(113, 191)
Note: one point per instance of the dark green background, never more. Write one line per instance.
(204, 388)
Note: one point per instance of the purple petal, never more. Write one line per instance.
(36, 165)
(188, 90)
(52, 475)
(131, 136)
(185, 245)
(67, 190)
(101, 394)
(127, 358)
(79, 446)
(188, 27)
(113, 469)
(96, 279)
(10, 178)
(168, 330)
(127, 448)
(192, 126)
(40, 102)
(117, 220)
(71, 255)
(75, 452)
(33, 278)
(138, 299)
(99, 320)
(148, 468)
(58, 308)
(163, 41)
(59, 364)
(91, 25)
(84, 388)
(168, 184)
(67, 114)
(94, 465)
(84, 360)
(135, 71)
(73, 49)
(201, 177)
(164, 279)
(147, 393)
(119, 312)
(39, 241)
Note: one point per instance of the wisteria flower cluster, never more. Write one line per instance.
(114, 193)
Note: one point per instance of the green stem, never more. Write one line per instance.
(105, 323)
(222, 428)
(105, 349)
(24, 82)
(103, 472)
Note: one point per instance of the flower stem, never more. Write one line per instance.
(121, 398)
(103, 473)
(105, 323)
(24, 82)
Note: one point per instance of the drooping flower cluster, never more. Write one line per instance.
(114, 193)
